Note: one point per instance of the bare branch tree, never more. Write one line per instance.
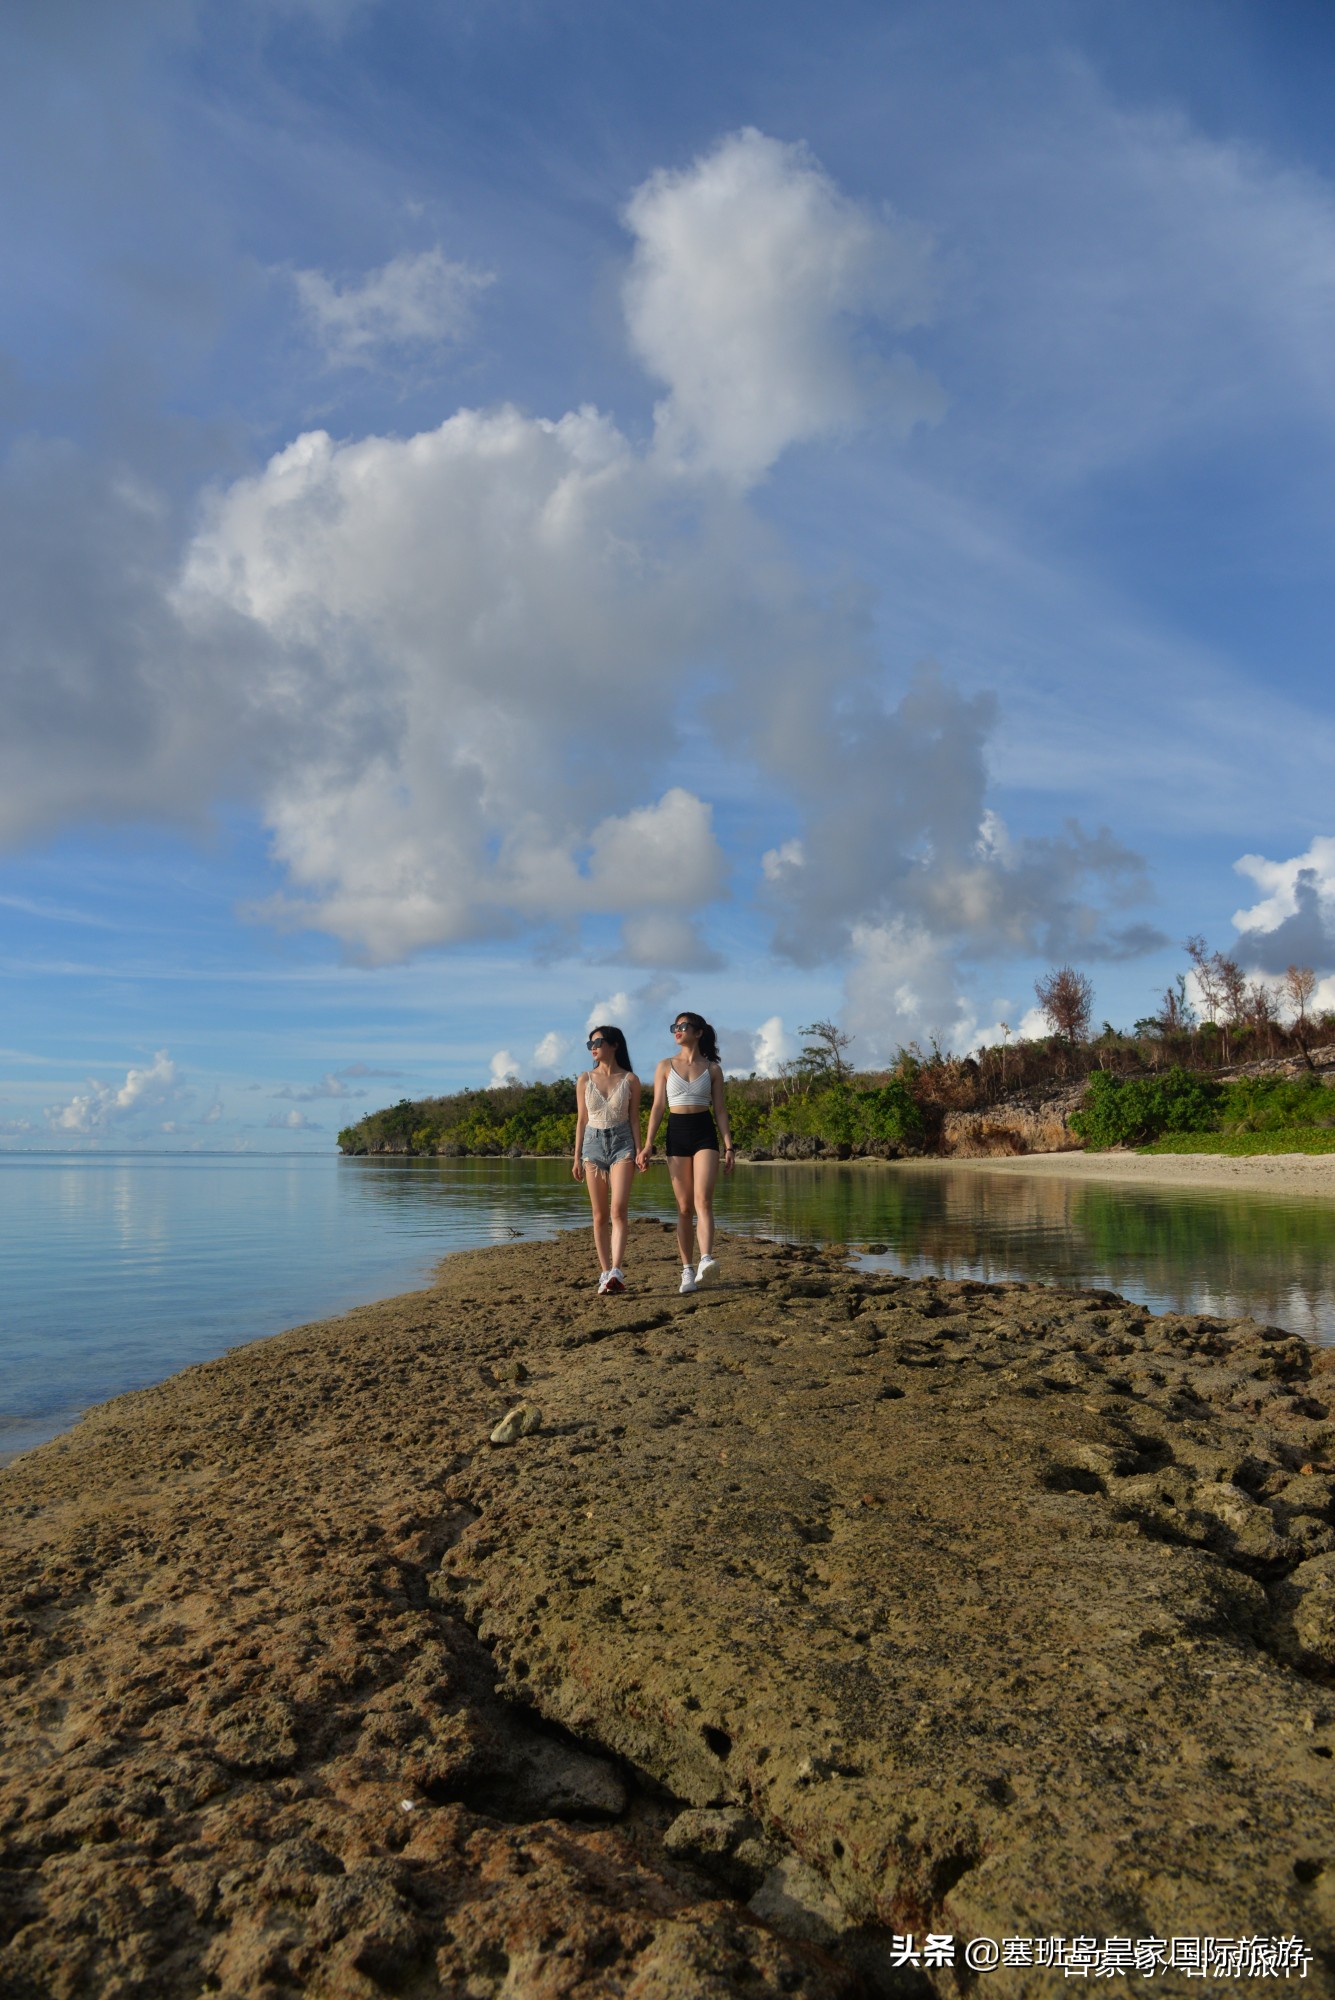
(1206, 983)
(1067, 998)
(1233, 984)
(1262, 1013)
(1223, 989)
(1176, 1014)
(825, 1050)
(1299, 986)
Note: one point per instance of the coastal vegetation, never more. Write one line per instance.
(1182, 1111)
(1211, 1069)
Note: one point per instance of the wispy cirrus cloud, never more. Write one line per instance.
(331, 1085)
(412, 304)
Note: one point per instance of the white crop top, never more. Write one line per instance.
(605, 1112)
(689, 1093)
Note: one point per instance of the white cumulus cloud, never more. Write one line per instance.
(291, 1121)
(550, 1052)
(472, 594)
(104, 1105)
(773, 1046)
(453, 671)
(754, 282)
(1293, 922)
(776, 861)
(615, 1011)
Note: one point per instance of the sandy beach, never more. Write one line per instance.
(820, 1608)
(1292, 1175)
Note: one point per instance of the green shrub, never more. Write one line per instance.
(552, 1135)
(1277, 1104)
(890, 1112)
(1132, 1110)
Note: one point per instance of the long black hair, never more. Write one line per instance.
(708, 1039)
(618, 1041)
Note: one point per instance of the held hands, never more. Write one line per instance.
(642, 1159)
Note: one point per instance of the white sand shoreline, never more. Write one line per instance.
(1289, 1176)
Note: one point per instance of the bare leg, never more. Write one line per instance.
(600, 1200)
(683, 1186)
(706, 1173)
(623, 1173)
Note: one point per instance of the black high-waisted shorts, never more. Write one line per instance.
(690, 1132)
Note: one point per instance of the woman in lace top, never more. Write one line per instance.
(606, 1136)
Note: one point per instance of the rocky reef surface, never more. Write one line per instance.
(821, 1608)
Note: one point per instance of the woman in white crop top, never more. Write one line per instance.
(606, 1131)
(689, 1087)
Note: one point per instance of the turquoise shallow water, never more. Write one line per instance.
(118, 1270)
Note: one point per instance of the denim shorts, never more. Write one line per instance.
(604, 1148)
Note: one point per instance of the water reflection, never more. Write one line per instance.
(1184, 1250)
(114, 1272)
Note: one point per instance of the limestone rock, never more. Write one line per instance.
(727, 1843)
(798, 1902)
(814, 1611)
(1305, 1605)
(522, 1421)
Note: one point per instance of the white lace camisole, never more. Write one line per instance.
(605, 1112)
(689, 1093)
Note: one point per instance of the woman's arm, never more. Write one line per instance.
(634, 1117)
(720, 1097)
(655, 1110)
(577, 1169)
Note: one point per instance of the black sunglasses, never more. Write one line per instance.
(596, 1042)
(681, 1027)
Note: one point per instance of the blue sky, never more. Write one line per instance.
(512, 513)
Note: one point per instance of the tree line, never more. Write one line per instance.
(1234, 1011)
(821, 1104)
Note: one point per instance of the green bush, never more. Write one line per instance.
(1132, 1110)
(890, 1112)
(1277, 1104)
(841, 1114)
(552, 1135)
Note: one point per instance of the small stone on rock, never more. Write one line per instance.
(519, 1422)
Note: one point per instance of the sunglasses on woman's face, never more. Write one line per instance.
(680, 1028)
(595, 1042)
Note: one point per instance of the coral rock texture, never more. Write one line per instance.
(825, 1606)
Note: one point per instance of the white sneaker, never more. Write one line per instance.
(707, 1271)
(602, 1282)
(614, 1281)
(687, 1279)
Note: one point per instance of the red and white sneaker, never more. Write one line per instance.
(614, 1282)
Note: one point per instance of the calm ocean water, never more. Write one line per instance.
(118, 1270)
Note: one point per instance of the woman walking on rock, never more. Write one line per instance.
(608, 1098)
(689, 1087)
